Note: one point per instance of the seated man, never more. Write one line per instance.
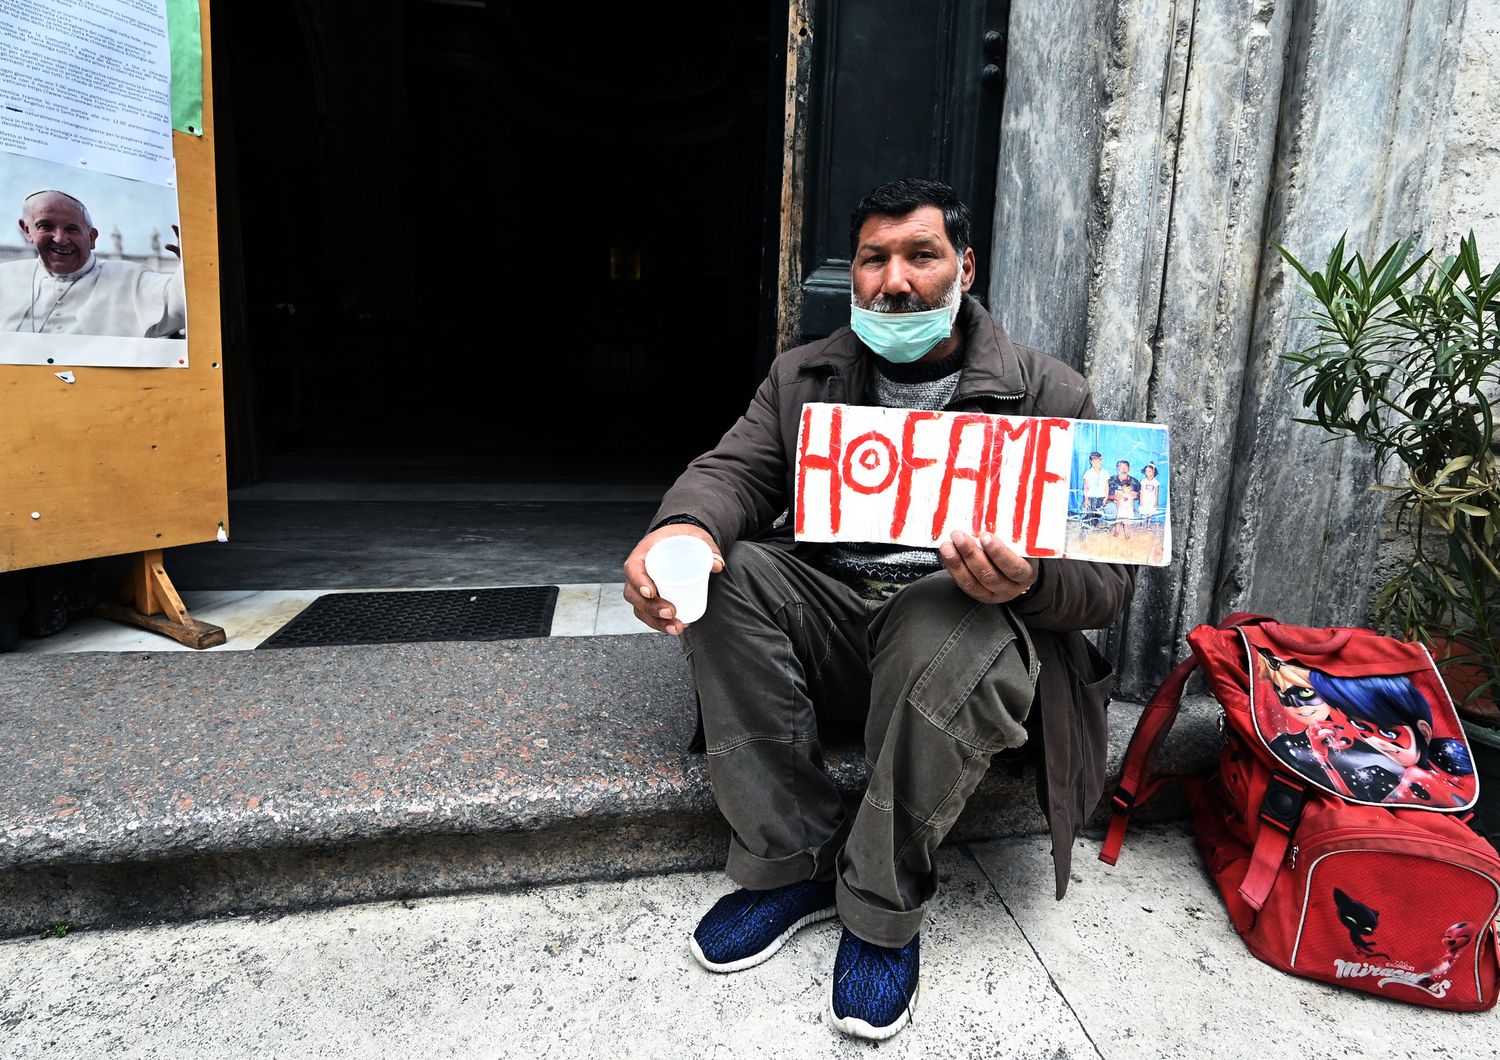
(67, 290)
(944, 656)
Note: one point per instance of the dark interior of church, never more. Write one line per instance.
(478, 240)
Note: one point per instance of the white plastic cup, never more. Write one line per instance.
(680, 567)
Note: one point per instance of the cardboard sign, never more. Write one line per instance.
(1079, 489)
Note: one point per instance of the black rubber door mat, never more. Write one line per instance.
(418, 615)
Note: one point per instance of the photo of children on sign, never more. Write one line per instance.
(1040, 484)
(1117, 504)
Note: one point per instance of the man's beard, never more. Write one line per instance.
(913, 302)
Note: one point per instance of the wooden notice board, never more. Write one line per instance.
(125, 460)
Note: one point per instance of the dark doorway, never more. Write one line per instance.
(459, 219)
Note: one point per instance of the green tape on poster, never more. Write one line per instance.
(185, 37)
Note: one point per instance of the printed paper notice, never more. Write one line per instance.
(88, 83)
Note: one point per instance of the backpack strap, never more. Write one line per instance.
(1280, 810)
(1245, 618)
(1156, 721)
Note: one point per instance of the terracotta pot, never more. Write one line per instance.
(1462, 678)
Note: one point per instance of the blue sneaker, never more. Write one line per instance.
(747, 927)
(874, 988)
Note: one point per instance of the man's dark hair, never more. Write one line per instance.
(901, 197)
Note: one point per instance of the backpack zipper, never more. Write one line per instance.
(1384, 839)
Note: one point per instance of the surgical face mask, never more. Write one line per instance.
(905, 337)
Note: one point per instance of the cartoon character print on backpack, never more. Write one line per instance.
(1455, 940)
(1368, 738)
(1360, 921)
(1311, 728)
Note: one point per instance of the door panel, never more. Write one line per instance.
(896, 89)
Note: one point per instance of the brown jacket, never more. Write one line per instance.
(739, 488)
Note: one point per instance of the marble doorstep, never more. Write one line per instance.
(615, 615)
(247, 618)
(179, 785)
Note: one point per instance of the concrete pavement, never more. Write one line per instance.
(1138, 961)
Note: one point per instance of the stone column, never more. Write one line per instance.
(1364, 114)
(1151, 150)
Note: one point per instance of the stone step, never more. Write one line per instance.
(144, 787)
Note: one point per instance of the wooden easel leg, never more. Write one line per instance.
(150, 601)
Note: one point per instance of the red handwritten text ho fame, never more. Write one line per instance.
(912, 477)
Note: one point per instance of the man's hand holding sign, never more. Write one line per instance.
(987, 568)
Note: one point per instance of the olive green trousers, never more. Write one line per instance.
(937, 682)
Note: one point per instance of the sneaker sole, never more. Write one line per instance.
(767, 953)
(858, 1028)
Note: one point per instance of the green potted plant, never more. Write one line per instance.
(1407, 361)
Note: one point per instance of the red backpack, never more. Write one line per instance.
(1337, 822)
